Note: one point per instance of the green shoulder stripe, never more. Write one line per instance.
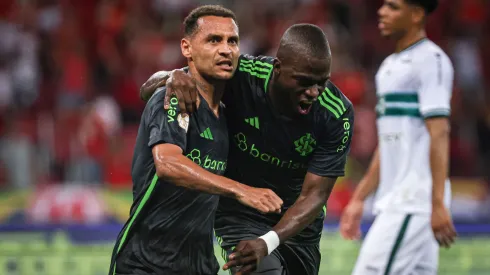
(256, 68)
(333, 103)
(256, 63)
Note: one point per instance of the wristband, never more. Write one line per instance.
(271, 240)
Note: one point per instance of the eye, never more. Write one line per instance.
(305, 82)
(392, 6)
(301, 81)
(214, 39)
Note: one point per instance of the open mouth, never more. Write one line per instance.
(304, 107)
(381, 25)
(225, 65)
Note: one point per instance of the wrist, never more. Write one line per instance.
(237, 189)
(272, 241)
(437, 202)
(362, 191)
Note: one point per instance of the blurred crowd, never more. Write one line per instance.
(70, 73)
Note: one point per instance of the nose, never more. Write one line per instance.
(312, 93)
(381, 11)
(224, 49)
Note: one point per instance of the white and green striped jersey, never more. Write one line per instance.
(412, 85)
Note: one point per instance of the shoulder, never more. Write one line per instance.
(254, 70)
(156, 102)
(429, 52)
(333, 105)
(256, 66)
(158, 96)
(261, 59)
(386, 61)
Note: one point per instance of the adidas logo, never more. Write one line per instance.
(253, 121)
(207, 134)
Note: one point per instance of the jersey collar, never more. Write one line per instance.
(413, 45)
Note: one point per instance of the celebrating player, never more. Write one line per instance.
(177, 162)
(414, 87)
(291, 130)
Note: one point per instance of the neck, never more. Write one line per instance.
(211, 91)
(409, 39)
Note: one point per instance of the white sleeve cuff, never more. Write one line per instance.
(436, 112)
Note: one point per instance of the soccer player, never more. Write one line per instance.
(290, 130)
(177, 162)
(410, 166)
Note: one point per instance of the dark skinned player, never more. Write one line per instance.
(178, 161)
(291, 130)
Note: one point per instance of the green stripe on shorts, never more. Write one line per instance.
(397, 244)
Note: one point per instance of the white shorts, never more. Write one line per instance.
(399, 244)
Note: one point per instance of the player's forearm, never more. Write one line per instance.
(439, 162)
(300, 215)
(181, 171)
(370, 181)
(156, 80)
(304, 211)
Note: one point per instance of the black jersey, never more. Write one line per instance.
(271, 151)
(170, 230)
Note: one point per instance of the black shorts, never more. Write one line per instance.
(287, 259)
(138, 257)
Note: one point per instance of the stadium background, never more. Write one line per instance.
(69, 78)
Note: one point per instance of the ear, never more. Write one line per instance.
(186, 48)
(418, 15)
(276, 66)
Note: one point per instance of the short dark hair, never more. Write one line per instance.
(190, 22)
(428, 5)
(306, 38)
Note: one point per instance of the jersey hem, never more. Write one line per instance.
(440, 112)
(326, 174)
(154, 143)
(378, 211)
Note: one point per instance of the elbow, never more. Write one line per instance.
(168, 168)
(143, 92)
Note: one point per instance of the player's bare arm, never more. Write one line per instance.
(178, 83)
(314, 195)
(173, 166)
(442, 224)
(155, 81)
(350, 220)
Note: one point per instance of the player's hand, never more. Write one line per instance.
(183, 86)
(264, 200)
(247, 256)
(350, 221)
(442, 225)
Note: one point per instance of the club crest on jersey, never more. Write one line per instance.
(305, 144)
(183, 120)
